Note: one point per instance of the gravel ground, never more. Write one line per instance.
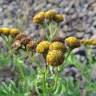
(80, 15)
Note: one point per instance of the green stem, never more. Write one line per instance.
(19, 67)
(67, 55)
(56, 78)
(53, 30)
(44, 84)
(65, 60)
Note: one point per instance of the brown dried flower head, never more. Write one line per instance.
(20, 36)
(16, 45)
(25, 40)
(31, 45)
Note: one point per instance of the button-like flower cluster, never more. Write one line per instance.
(43, 47)
(72, 42)
(40, 17)
(57, 46)
(88, 41)
(9, 31)
(55, 58)
(54, 52)
(50, 14)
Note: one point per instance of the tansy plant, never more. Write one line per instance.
(45, 79)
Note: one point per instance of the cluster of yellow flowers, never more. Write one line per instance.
(88, 41)
(55, 49)
(9, 31)
(54, 52)
(44, 47)
(48, 15)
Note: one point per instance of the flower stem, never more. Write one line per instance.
(67, 55)
(44, 84)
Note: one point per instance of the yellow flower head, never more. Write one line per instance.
(58, 18)
(14, 31)
(94, 42)
(86, 41)
(50, 14)
(0, 31)
(5, 30)
(42, 47)
(55, 58)
(72, 42)
(39, 18)
(57, 46)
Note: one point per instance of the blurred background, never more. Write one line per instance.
(79, 16)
